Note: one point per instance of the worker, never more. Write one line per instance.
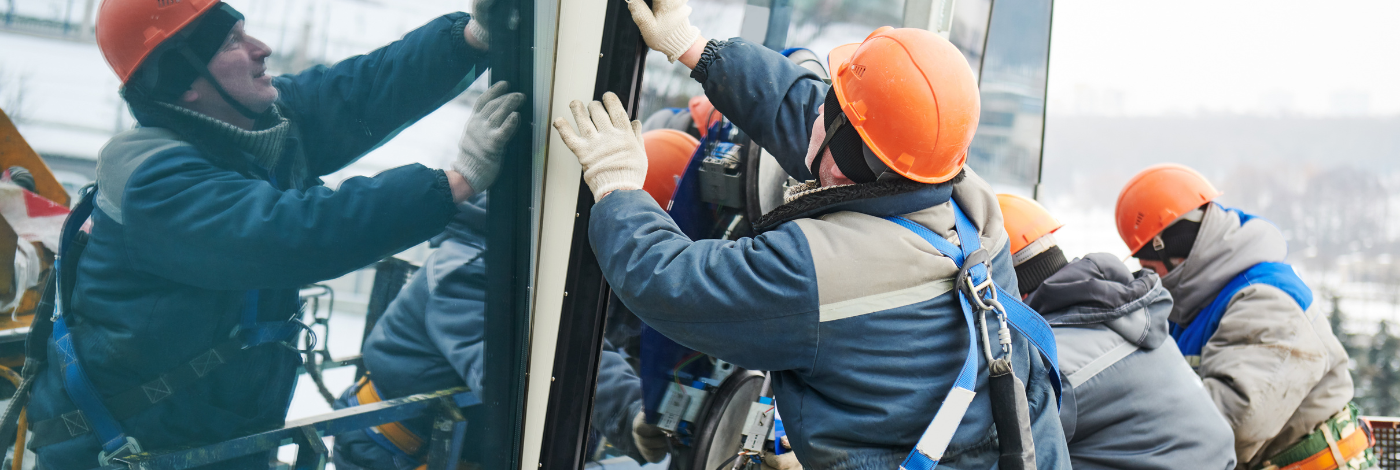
(430, 338)
(1121, 367)
(847, 293)
(1240, 317)
(177, 323)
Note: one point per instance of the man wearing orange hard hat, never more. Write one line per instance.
(175, 321)
(1130, 402)
(1240, 316)
(864, 293)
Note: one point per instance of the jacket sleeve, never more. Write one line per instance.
(770, 98)
(619, 398)
(1264, 359)
(191, 222)
(348, 109)
(455, 318)
(752, 301)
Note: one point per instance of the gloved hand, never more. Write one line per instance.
(609, 147)
(787, 461)
(481, 11)
(665, 26)
(486, 134)
(651, 441)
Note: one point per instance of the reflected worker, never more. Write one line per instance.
(178, 324)
(432, 337)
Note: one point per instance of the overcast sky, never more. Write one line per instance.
(1137, 57)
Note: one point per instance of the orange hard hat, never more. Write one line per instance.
(129, 30)
(912, 97)
(1155, 198)
(668, 153)
(1025, 220)
(703, 113)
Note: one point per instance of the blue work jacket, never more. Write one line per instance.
(180, 239)
(854, 314)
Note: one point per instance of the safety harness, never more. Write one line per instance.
(979, 295)
(102, 415)
(392, 436)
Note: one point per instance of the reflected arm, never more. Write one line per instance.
(348, 109)
(770, 98)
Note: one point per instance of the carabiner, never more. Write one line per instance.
(1004, 333)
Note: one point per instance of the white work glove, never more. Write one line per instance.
(786, 461)
(652, 442)
(665, 26)
(477, 25)
(607, 145)
(486, 134)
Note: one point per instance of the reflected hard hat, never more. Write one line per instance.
(1155, 198)
(703, 113)
(912, 97)
(129, 30)
(1026, 220)
(668, 153)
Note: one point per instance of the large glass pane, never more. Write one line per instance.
(1006, 150)
(332, 246)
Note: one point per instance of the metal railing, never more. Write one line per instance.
(1387, 434)
(444, 448)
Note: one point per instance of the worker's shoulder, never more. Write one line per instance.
(1263, 313)
(124, 154)
(128, 149)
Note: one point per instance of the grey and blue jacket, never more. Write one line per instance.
(185, 227)
(1273, 369)
(432, 337)
(855, 315)
(1130, 401)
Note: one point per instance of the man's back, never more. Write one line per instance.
(855, 314)
(1130, 400)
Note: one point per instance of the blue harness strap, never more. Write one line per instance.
(939, 433)
(1194, 336)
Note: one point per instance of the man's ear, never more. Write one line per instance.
(189, 96)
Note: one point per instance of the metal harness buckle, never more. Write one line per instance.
(984, 298)
(130, 448)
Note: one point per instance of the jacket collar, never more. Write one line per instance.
(880, 199)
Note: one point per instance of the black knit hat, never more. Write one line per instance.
(1177, 240)
(1040, 267)
(167, 73)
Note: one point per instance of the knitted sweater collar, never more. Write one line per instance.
(264, 144)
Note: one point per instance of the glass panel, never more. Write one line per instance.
(1006, 150)
(969, 31)
(353, 221)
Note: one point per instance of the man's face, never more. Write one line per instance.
(240, 66)
(828, 173)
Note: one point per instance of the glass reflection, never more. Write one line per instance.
(206, 280)
(1007, 147)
